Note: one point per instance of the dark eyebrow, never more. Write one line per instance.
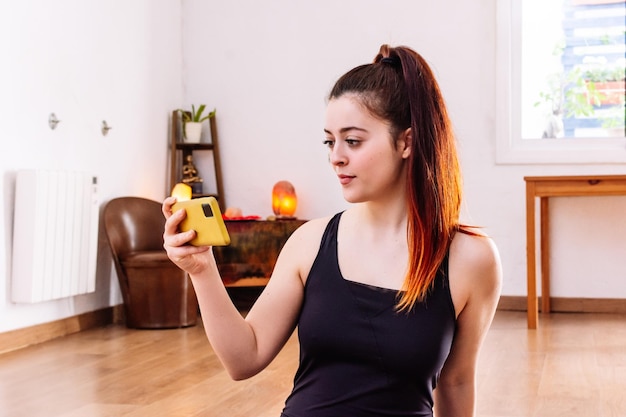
(347, 129)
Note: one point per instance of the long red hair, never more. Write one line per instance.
(400, 87)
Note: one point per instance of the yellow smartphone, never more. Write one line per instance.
(204, 216)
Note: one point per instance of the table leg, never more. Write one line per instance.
(545, 255)
(531, 283)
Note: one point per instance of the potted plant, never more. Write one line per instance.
(608, 81)
(193, 122)
(569, 95)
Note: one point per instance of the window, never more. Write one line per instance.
(560, 87)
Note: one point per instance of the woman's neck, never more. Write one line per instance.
(389, 216)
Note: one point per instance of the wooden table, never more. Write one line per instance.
(555, 186)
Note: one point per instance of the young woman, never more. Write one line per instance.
(393, 296)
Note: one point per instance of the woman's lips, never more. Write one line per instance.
(345, 179)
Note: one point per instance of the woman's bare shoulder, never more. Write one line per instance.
(302, 247)
(314, 226)
(308, 234)
(474, 248)
(474, 265)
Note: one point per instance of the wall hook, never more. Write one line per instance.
(105, 128)
(53, 121)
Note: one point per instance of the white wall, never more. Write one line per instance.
(86, 61)
(266, 67)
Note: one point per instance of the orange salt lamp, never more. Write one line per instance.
(284, 200)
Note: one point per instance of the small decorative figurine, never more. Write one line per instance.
(190, 175)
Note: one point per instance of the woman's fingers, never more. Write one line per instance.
(176, 244)
(172, 221)
(166, 207)
(171, 237)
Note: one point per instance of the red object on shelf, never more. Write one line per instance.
(242, 218)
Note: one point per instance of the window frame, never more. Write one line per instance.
(510, 147)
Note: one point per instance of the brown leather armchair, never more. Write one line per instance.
(157, 294)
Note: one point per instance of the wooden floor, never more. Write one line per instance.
(573, 365)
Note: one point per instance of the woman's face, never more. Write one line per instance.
(369, 167)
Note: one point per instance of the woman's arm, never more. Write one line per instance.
(244, 346)
(475, 282)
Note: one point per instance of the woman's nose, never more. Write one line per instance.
(336, 156)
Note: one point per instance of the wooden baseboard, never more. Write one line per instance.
(568, 305)
(16, 339)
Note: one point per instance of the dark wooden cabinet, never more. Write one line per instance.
(254, 247)
(179, 150)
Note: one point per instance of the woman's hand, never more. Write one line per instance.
(192, 259)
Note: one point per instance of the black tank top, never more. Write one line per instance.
(359, 357)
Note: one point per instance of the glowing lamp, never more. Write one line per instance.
(181, 191)
(284, 200)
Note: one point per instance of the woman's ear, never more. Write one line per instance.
(406, 139)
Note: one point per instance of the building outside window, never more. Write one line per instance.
(578, 89)
(562, 70)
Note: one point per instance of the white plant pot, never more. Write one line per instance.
(193, 132)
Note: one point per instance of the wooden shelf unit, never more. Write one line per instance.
(179, 150)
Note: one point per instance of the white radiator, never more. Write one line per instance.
(55, 235)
